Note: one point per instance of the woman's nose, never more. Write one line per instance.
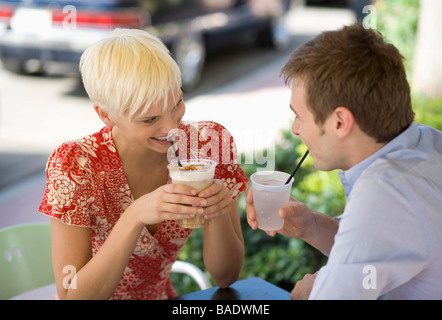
(169, 123)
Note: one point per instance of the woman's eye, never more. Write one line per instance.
(178, 104)
(149, 121)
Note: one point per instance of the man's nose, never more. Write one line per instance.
(295, 127)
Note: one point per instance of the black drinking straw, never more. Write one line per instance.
(174, 151)
(297, 167)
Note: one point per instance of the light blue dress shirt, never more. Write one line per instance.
(389, 242)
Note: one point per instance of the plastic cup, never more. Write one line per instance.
(197, 173)
(270, 193)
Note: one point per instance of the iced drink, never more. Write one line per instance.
(270, 193)
(197, 173)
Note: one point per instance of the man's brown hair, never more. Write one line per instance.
(354, 67)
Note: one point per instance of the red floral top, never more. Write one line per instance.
(87, 187)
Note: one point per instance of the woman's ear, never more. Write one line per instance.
(344, 121)
(104, 115)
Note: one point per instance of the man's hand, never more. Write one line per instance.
(303, 287)
(297, 217)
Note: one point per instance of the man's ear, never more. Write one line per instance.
(104, 115)
(344, 121)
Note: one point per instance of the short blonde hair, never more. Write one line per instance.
(129, 72)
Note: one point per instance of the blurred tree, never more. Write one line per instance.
(427, 67)
(398, 20)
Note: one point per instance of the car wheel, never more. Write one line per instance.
(189, 52)
(28, 67)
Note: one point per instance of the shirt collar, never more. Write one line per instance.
(404, 140)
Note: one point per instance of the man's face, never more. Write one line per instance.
(317, 138)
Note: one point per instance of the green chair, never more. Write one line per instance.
(25, 259)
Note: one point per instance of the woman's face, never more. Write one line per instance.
(149, 130)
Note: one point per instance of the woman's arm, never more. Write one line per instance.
(97, 276)
(223, 241)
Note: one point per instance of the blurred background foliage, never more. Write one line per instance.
(281, 260)
(398, 21)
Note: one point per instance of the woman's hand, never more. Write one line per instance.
(216, 200)
(168, 202)
(250, 210)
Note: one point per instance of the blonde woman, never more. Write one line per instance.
(114, 214)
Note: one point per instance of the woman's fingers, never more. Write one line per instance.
(218, 200)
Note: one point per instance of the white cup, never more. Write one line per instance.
(270, 193)
(199, 178)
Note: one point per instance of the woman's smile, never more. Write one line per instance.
(160, 140)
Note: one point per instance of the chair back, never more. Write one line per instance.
(193, 271)
(25, 259)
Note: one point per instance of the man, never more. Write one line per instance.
(353, 111)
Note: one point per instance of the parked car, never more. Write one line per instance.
(35, 33)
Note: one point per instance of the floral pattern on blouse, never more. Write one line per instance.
(87, 187)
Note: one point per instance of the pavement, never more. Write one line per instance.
(253, 108)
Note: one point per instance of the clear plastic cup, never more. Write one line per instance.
(197, 173)
(270, 193)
